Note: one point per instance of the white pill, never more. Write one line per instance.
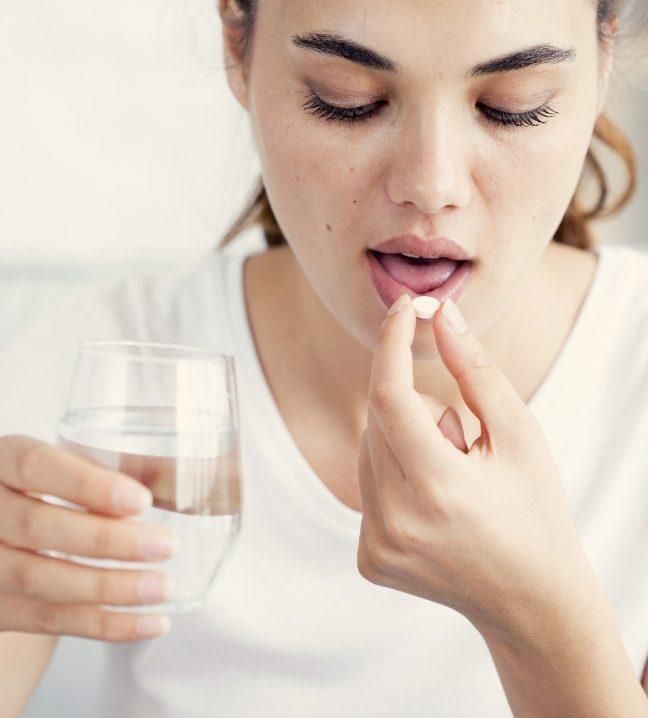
(425, 307)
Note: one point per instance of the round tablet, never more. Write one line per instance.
(425, 307)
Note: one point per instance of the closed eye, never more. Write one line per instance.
(352, 115)
(530, 118)
(322, 109)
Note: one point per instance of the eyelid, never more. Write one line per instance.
(514, 106)
(512, 111)
(354, 100)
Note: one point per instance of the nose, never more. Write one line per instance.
(428, 168)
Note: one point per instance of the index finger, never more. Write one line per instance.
(31, 465)
(402, 414)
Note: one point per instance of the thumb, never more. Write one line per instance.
(484, 386)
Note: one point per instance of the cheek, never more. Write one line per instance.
(315, 171)
(534, 172)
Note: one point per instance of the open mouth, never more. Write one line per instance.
(418, 274)
(396, 274)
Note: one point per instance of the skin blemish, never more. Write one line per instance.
(328, 226)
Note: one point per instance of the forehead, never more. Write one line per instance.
(437, 33)
(420, 13)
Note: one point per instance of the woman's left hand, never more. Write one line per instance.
(485, 530)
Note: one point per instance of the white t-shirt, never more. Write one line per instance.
(291, 628)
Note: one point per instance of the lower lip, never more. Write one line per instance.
(389, 289)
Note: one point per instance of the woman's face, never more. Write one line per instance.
(432, 160)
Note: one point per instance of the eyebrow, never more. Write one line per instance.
(338, 46)
(332, 44)
(528, 57)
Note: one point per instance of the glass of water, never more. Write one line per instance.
(167, 416)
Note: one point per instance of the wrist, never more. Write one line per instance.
(565, 657)
(566, 593)
(534, 620)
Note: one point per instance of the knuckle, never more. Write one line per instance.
(383, 333)
(101, 586)
(382, 396)
(481, 364)
(483, 361)
(104, 540)
(47, 619)
(397, 530)
(102, 626)
(23, 577)
(366, 568)
(133, 634)
(366, 565)
(81, 484)
(129, 630)
(29, 523)
(381, 557)
(373, 546)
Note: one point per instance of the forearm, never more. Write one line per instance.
(568, 662)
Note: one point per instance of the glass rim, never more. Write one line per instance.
(193, 353)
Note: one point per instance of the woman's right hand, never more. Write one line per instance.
(40, 594)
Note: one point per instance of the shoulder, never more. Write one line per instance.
(622, 315)
(624, 278)
(155, 302)
(149, 304)
(630, 257)
(126, 301)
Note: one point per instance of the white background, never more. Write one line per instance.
(120, 144)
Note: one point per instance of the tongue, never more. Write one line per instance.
(420, 277)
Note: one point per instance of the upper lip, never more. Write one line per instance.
(429, 248)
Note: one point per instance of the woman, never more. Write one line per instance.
(441, 518)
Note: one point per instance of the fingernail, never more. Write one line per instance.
(148, 626)
(398, 304)
(158, 546)
(454, 317)
(127, 497)
(154, 587)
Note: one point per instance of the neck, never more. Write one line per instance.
(314, 360)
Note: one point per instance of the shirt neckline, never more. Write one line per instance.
(540, 402)
(271, 430)
(298, 474)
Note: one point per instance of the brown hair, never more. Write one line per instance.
(574, 228)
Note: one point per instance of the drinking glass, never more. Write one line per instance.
(166, 415)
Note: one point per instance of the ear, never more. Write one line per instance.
(606, 62)
(232, 18)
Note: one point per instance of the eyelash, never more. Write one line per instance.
(353, 115)
(530, 118)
